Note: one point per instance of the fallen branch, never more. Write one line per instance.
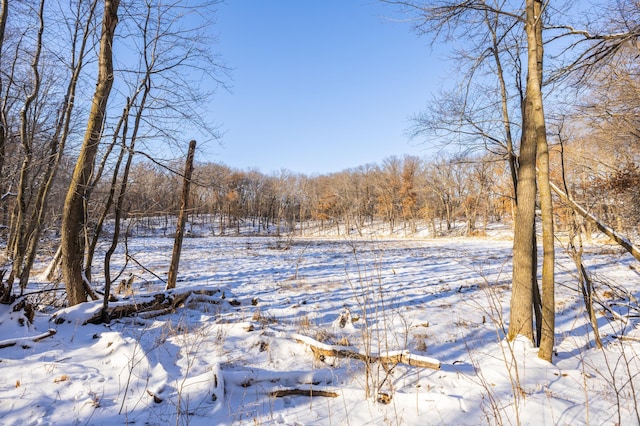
(302, 392)
(163, 311)
(34, 339)
(146, 269)
(628, 338)
(610, 232)
(161, 304)
(395, 357)
(144, 306)
(159, 301)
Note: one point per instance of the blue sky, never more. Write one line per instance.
(319, 86)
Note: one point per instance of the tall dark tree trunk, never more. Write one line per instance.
(73, 219)
(117, 218)
(144, 88)
(4, 12)
(5, 293)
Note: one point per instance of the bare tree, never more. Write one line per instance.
(4, 13)
(17, 243)
(483, 20)
(158, 98)
(535, 128)
(81, 32)
(177, 245)
(75, 208)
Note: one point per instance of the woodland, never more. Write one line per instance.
(539, 136)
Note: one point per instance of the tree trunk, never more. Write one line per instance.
(17, 241)
(533, 147)
(534, 12)
(56, 146)
(116, 228)
(4, 12)
(504, 99)
(122, 123)
(73, 219)
(521, 321)
(177, 246)
(524, 266)
(56, 149)
(144, 88)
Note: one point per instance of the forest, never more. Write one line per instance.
(536, 182)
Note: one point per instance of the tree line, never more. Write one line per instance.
(459, 195)
(398, 193)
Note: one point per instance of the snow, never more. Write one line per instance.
(218, 358)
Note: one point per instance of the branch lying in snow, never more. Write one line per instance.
(164, 303)
(393, 357)
(34, 339)
(302, 392)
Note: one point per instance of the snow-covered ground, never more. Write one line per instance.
(237, 351)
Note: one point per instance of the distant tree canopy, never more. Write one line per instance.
(460, 195)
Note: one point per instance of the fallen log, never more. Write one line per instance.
(34, 339)
(161, 304)
(394, 357)
(144, 306)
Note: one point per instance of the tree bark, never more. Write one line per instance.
(144, 88)
(91, 249)
(524, 266)
(521, 320)
(25, 340)
(177, 246)
(116, 228)
(73, 219)
(586, 285)
(4, 12)
(547, 327)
